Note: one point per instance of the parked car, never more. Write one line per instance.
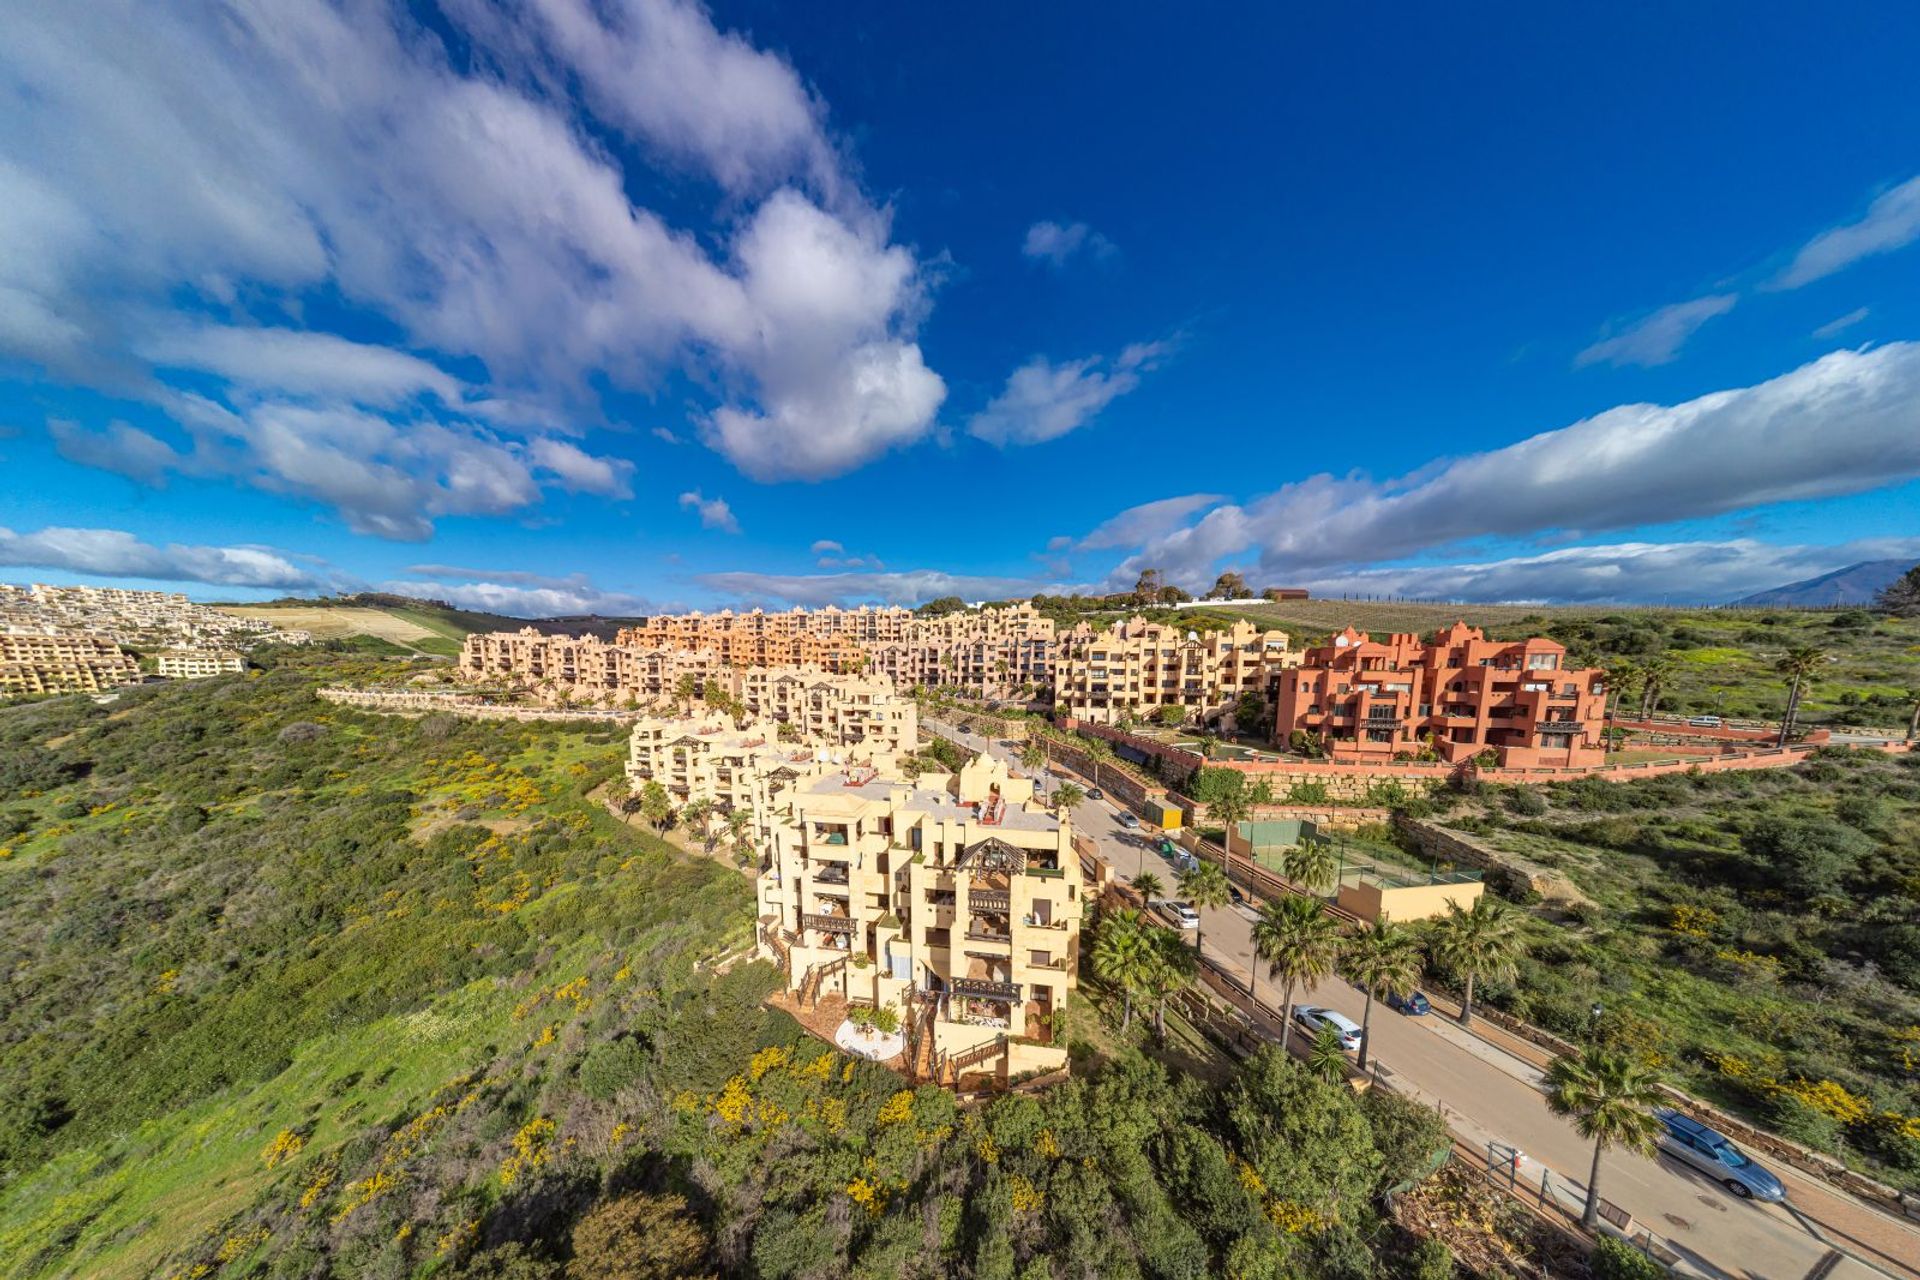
(1127, 820)
(1689, 1141)
(1705, 722)
(1181, 914)
(1313, 1019)
(1233, 892)
(1095, 793)
(1413, 1004)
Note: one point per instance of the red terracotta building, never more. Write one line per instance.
(1458, 691)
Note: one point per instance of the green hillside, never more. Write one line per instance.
(296, 991)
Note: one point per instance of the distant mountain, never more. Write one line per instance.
(1855, 584)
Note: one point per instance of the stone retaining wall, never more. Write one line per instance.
(402, 702)
(1517, 873)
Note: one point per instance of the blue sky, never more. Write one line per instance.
(633, 304)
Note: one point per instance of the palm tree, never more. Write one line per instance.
(740, 830)
(1481, 942)
(1231, 809)
(1067, 797)
(1382, 960)
(1312, 864)
(1610, 1098)
(1325, 1056)
(696, 815)
(1653, 682)
(1913, 724)
(1148, 886)
(1300, 943)
(1209, 743)
(686, 688)
(1097, 750)
(1797, 665)
(1123, 956)
(1623, 676)
(619, 793)
(1204, 885)
(656, 804)
(1172, 969)
(1033, 756)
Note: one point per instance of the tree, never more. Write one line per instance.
(1312, 864)
(686, 689)
(1171, 594)
(697, 814)
(1325, 1057)
(1623, 676)
(1901, 598)
(1249, 712)
(1228, 586)
(638, 1237)
(1172, 716)
(1172, 969)
(1653, 682)
(656, 805)
(1481, 942)
(1148, 886)
(1382, 960)
(1232, 808)
(1033, 756)
(1610, 1098)
(1067, 797)
(620, 795)
(941, 607)
(741, 832)
(1209, 743)
(1797, 665)
(1205, 885)
(1123, 956)
(1300, 943)
(1147, 586)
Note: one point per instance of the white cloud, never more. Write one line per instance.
(1056, 243)
(114, 553)
(259, 158)
(1841, 323)
(825, 547)
(121, 448)
(666, 436)
(579, 471)
(1679, 572)
(1656, 339)
(1141, 524)
(914, 586)
(1043, 401)
(714, 512)
(1891, 222)
(523, 595)
(1845, 423)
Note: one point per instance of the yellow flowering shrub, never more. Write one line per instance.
(868, 1194)
(1295, 1219)
(766, 1060)
(1027, 1198)
(285, 1146)
(1693, 922)
(896, 1110)
(241, 1244)
(1829, 1098)
(1047, 1145)
(532, 1150)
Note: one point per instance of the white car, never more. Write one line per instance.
(1181, 914)
(1127, 820)
(1313, 1019)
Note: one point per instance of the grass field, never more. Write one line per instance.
(410, 631)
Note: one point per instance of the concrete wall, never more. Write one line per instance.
(1369, 901)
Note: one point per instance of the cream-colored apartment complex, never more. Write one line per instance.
(142, 619)
(199, 664)
(865, 625)
(820, 706)
(995, 653)
(41, 664)
(1137, 667)
(956, 899)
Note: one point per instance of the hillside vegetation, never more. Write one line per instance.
(300, 992)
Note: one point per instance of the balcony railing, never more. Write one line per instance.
(985, 989)
(831, 873)
(828, 924)
(1561, 726)
(990, 900)
(975, 934)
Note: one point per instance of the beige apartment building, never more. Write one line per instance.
(865, 625)
(957, 900)
(995, 653)
(33, 664)
(1137, 667)
(198, 664)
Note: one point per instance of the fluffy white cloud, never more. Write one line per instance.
(114, 553)
(1140, 524)
(1043, 401)
(1845, 423)
(1056, 243)
(121, 448)
(826, 547)
(520, 595)
(714, 512)
(1891, 222)
(913, 586)
(1657, 338)
(254, 158)
(579, 471)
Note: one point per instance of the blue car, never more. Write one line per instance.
(1687, 1140)
(1413, 1004)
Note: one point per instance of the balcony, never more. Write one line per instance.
(1555, 727)
(990, 900)
(984, 989)
(828, 923)
(831, 873)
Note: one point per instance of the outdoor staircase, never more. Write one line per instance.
(954, 1066)
(921, 1061)
(816, 978)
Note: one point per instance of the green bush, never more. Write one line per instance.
(1615, 1259)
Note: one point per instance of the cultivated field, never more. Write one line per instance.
(343, 622)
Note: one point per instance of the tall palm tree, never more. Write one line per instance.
(1148, 886)
(1653, 682)
(1797, 665)
(1205, 885)
(1301, 945)
(1123, 956)
(1326, 1057)
(740, 831)
(1481, 942)
(1067, 797)
(698, 815)
(1312, 864)
(1913, 723)
(1623, 676)
(1172, 969)
(1383, 960)
(1033, 756)
(619, 792)
(1231, 809)
(1096, 750)
(686, 688)
(1610, 1097)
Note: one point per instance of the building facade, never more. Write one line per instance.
(32, 664)
(1136, 668)
(198, 664)
(1456, 694)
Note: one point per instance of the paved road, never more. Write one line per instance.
(1488, 1095)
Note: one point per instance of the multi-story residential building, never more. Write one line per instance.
(141, 619)
(1457, 692)
(838, 710)
(38, 664)
(1138, 667)
(960, 900)
(995, 652)
(198, 664)
(865, 625)
(704, 755)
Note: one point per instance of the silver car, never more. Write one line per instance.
(1689, 1141)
